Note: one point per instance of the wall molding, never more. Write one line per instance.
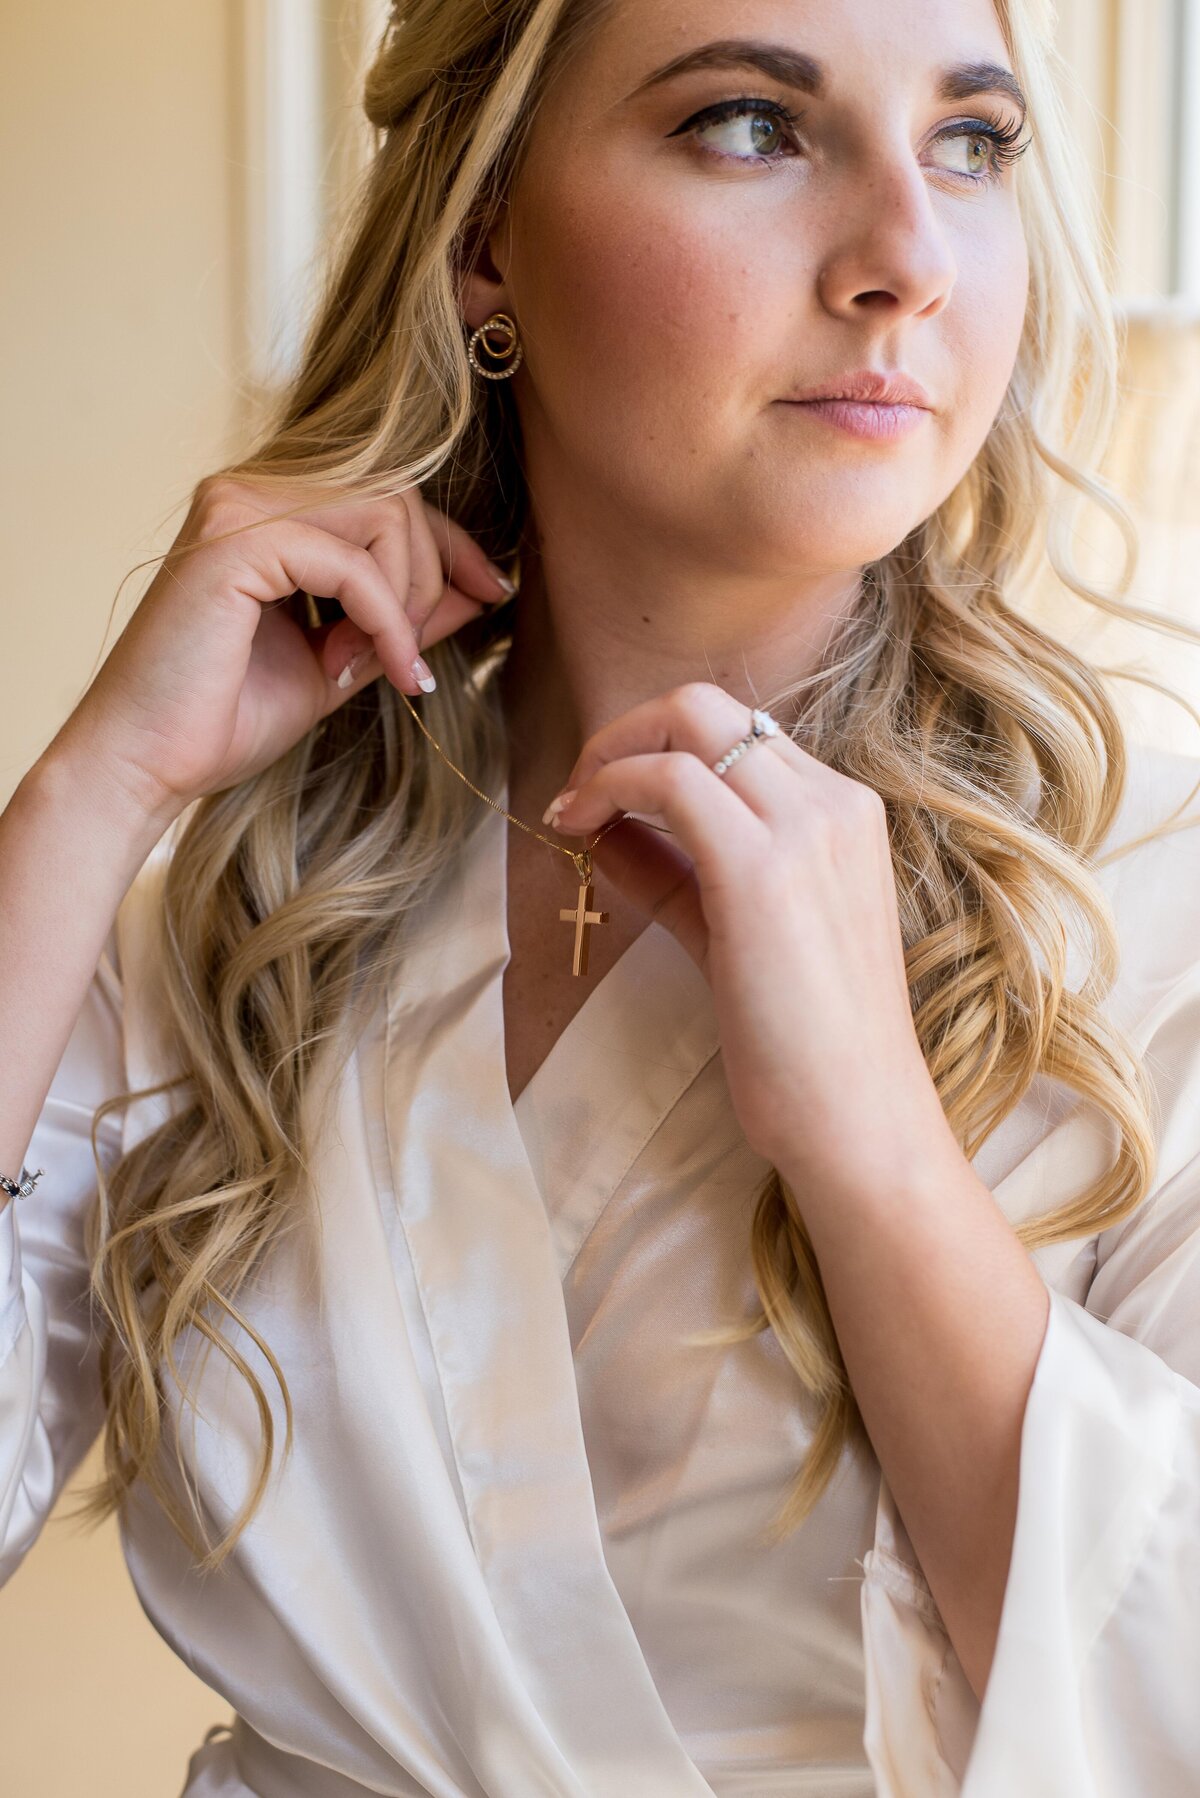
(284, 144)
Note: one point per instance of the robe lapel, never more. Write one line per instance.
(489, 1273)
(643, 1034)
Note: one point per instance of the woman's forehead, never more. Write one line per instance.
(842, 42)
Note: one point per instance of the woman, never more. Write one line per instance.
(557, 1218)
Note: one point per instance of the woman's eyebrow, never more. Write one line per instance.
(796, 69)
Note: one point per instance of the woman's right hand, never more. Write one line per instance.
(211, 680)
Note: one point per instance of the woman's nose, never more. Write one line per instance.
(890, 250)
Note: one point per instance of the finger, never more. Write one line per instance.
(434, 590)
(299, 555)
(445, 555)
(657, 878)
(343, 513)
(436, 555)
(396, 532)
(711, 824)
(379, 523)
(426, 580)
(706, 721)
(384, 530)
(382, 527)
(354, 651)
(463, 562)
(450, 614)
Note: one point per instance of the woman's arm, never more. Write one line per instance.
(69, 850)
(941, 1315)
(1091, 1685)
(71, 843)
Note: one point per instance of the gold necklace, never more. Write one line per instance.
(581, 913)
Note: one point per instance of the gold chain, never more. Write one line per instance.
(581, 857)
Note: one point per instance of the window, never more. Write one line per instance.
(1135, 74)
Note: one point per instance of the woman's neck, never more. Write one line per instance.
(578, 662)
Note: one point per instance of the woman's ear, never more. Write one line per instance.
(483, 288)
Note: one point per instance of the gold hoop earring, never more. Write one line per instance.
(509, 355)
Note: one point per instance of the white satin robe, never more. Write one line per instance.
(513, 1552)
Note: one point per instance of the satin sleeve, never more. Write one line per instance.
(1094, 1686)
(50, 1402)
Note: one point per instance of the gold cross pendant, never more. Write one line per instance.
(582, 916)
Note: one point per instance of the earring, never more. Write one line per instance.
(510, 354)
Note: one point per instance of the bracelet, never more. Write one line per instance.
(21, 1189)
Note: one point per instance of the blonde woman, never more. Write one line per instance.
(720, 1314)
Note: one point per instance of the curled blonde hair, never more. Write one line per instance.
(940, 693)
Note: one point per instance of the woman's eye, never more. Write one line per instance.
(747, 130)
(753, 129)
(980, 152)
(969, 155)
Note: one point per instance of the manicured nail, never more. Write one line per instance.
(349, 673)
(501, 579)
(421, 674)
(558, 805)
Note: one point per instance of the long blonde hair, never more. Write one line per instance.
(280, 894)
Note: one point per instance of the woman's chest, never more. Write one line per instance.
(541, 994)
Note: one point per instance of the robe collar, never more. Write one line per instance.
(491, 1224)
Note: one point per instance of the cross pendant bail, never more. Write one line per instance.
(581, 913)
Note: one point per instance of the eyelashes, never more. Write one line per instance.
(1008, 142)
(746, 106)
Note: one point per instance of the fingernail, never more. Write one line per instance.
(347, 677)
(501, 579)
(558, 805)
(422, 675)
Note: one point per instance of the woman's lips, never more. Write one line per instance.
(872, 419)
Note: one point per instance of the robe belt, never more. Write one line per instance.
(243, 1764)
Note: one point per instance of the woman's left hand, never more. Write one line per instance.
(784, 897)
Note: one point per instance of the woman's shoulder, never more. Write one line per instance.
(1159, 781)
(1153, 886)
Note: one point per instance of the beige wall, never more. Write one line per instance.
(123, 378)
(117, 318)
(117, 342)
(132, 159)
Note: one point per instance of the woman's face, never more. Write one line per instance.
(724, 205)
